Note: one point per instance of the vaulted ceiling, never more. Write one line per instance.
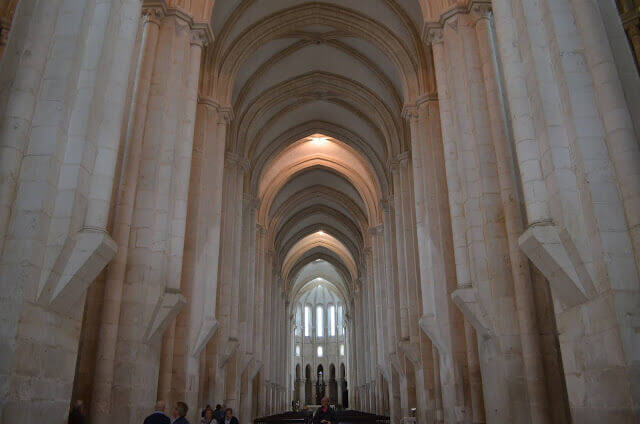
(317, 91)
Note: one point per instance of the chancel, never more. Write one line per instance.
(403, 211)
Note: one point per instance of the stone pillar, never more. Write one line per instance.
(114, 281)
(154, 264)
(475, 378)
(523, 290)
(402, 256)
(576, 108)
(226, 341)
(486, 244)
(197, 322)
(449, 341)
(54, 209)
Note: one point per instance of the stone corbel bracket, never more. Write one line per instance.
(207, 329)
(554, 253)
(396, 364)
(466, 298)
(429, 326)
(411, 352)
(230, 347)
(82, 258)
(246, 359)
(167, 308)
(255, 368)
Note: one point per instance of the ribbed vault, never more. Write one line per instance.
(318, 91)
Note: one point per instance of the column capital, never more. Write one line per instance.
(385, 205)
(234, 159)
(481, 11)
(433, 33)
(201, 33)
(199, 38)
(410, 112)
(378, 229)
(225, 113)
(153, 14)
(425, 100)
(400, 161)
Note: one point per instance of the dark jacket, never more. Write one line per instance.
(218, 414)
(76, 417)
(157, 418)
(330, 415)
(233, 420)
(181, 420)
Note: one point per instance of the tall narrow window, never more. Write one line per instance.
(319, 322)
(332, 320)
(297, 350)
(298, 321)
(307, 321)
(341, 350)
(340, 321)
(320, 352)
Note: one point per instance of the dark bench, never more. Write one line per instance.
(306, 417)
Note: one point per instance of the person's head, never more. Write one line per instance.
(160, 405)
(325, 402)
(180, 409)
(208, 414)
(228, 413)
(218, 407)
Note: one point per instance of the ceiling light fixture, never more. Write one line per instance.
(318, 140)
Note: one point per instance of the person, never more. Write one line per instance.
(229, 418)
(325, 414)
(75, 415)
(208, 417)
(218, 414)
(158, 416)
(205, 410)
(180, 413)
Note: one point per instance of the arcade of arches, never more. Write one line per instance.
(429, 204)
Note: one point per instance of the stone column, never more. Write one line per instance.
(302, 393)
(18, 102)
(154, 264)
(577, 108)
(226, 340)
(523, 289)
(452, 355)
(475, 378)
(402, 255)
(486, 243)
(110, 319)
(391, 276)
(197, 322)
(48, 198)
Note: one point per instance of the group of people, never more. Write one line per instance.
(324, 414)
(218, 416)
(208, 415)
(179, 414)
